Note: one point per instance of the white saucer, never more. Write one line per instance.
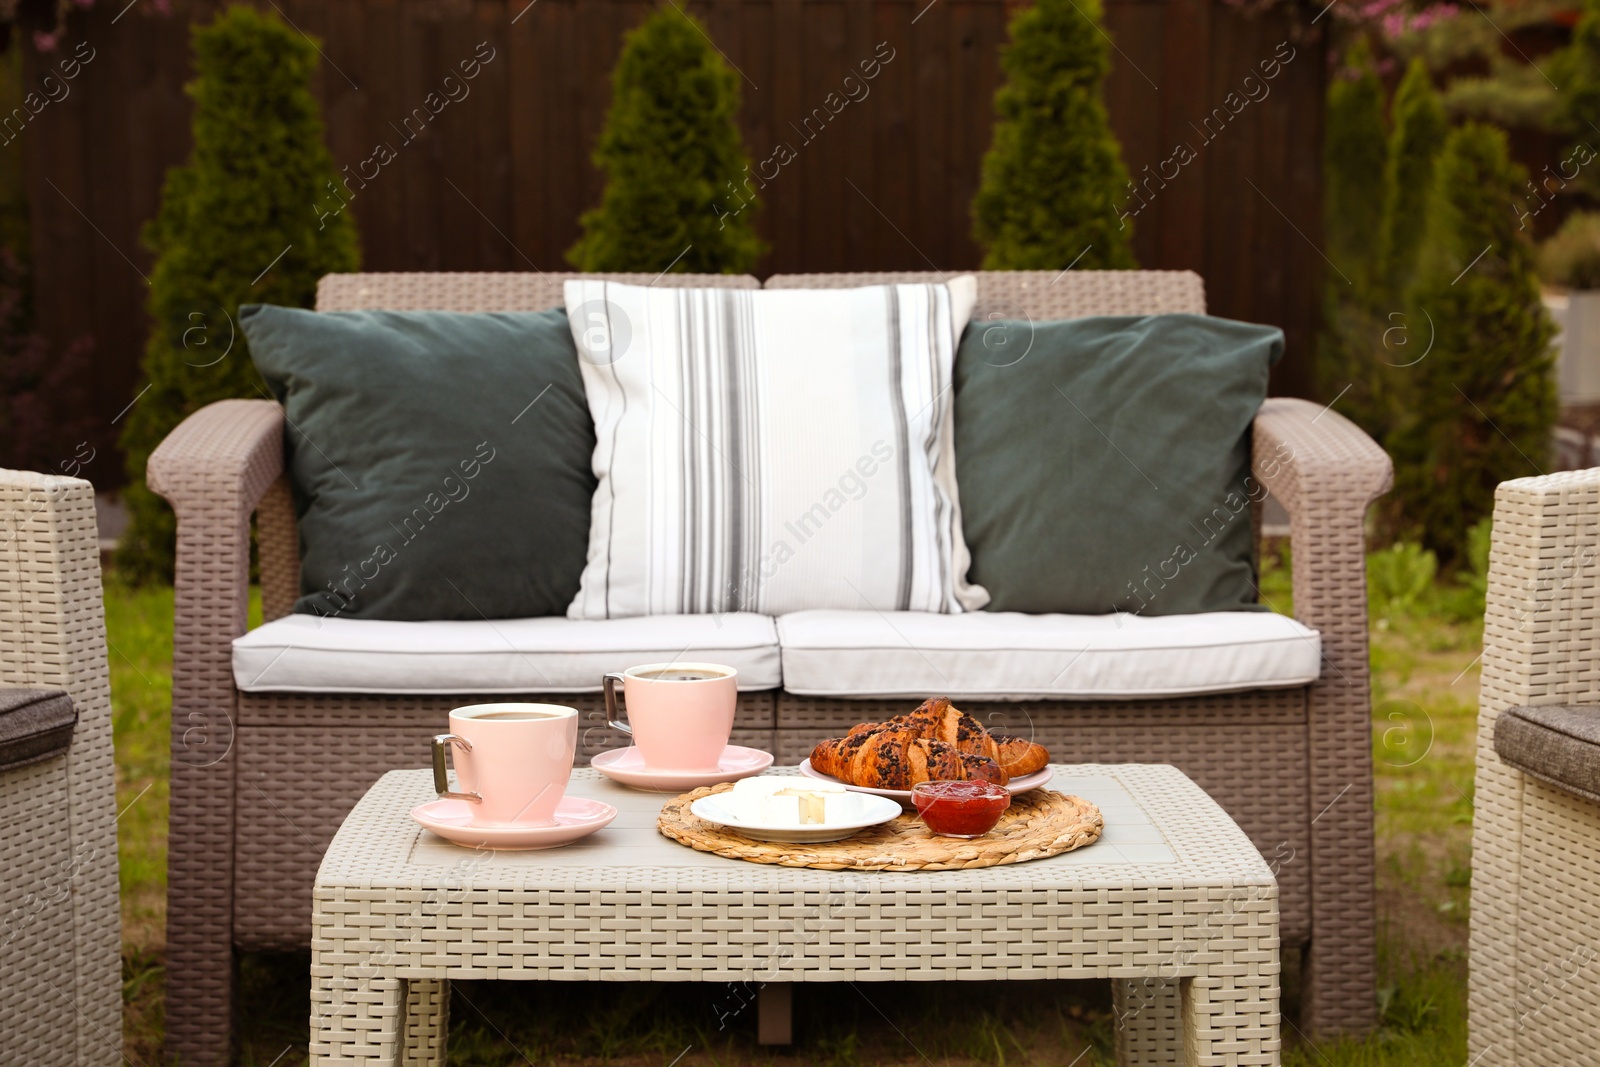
(625, 765)
(576, 817)
(1016, 785)
(875, 810)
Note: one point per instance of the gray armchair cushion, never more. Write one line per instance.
(1557, 743)
(35, 724)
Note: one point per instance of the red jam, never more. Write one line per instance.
(960, 809)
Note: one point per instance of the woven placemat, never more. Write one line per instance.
(1038, 824)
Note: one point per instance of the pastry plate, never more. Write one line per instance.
(626, 766)
(875, 810)
(576, 818)
(1016, 785)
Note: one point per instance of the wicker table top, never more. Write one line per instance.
(1161, 831)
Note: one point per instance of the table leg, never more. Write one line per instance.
(775, 1013)
(356, 1022)
(1231, 1020)
(427, 1022)
(1148, 1016)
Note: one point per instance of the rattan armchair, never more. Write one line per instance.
(1535, 954)
(60, 921)
(253, 803)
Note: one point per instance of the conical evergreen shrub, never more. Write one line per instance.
(237, 225)
(1350, 350)
(1419, 130)
(678, 189)
(1355, 158)
(1374, 337)
(1485, 399)
(1578, 67)
(1053, 182)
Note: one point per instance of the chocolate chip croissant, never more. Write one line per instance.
(899, 759)
(939, 720)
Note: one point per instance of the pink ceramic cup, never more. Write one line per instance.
(512, 761)
(680, 714)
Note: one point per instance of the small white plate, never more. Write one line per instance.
(1016, 785)
(576, 818)
(874, 810)
(626, 765)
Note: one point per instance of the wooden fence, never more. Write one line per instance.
(1219, 113)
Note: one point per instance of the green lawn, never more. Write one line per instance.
(1425, 700)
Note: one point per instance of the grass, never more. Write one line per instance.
(1424, 649)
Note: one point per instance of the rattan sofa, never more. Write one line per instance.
(255, 799)
(1535, 953)
(60, 922)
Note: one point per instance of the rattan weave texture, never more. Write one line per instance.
(1042, 294)
(1326, 471)
(1180, 907)
(1284, 776)
(275, 853)
(216, 469)
(60, 952)
(1534, 990)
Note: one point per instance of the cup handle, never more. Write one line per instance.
(610, 682)
(441, 777)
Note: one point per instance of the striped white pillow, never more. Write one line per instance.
(772, 450)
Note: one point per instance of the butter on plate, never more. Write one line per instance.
(786, 801)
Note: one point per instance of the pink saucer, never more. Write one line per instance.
(576, 818)
(626, 766)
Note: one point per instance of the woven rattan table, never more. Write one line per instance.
(1173, 904)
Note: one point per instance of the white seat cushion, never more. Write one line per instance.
(1011, 656)
(304, 653)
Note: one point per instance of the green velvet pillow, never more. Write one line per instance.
(440, 461)
(1103, 463)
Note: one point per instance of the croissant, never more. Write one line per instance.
(1019, 756)
(899, 759)
(939, 720)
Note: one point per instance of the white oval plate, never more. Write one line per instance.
(877, 810)
(1016, 785)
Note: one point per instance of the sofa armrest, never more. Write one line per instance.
(214, 469)
(1315, 459)
(1326, 471)
(224, 455)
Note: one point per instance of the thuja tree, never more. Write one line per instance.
(1419, 129)
(1578, 67)
(1378, 341)
(678, 191)
(1355, 156)
(236, 225)
(1349, 364)
(1484, 400)
(1053, 182)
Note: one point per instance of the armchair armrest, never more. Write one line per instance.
(1327, 471)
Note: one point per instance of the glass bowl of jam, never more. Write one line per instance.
(960, 809)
